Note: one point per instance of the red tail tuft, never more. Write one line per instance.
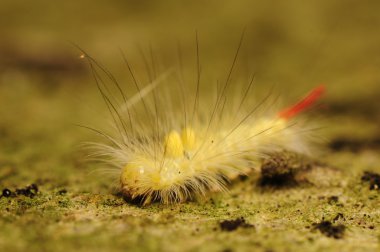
(304, 104)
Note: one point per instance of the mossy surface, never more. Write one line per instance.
(77, 209)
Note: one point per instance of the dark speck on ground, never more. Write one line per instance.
(330, 230)
(29, 191)
(373, 179)
(231, 225)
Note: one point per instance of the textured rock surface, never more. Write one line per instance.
(293, 44)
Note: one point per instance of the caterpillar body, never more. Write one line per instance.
(172, 148)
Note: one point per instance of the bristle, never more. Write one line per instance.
(304, 104)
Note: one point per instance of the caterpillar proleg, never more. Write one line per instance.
(173, 146)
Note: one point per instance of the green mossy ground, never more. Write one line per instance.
(77, 209)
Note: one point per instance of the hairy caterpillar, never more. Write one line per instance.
(173, 146)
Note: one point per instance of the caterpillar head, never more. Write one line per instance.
(144, 175)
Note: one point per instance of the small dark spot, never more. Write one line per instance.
(7, 193)
(330, 230)
(373, 179)
(231, 225)
(332, 199)
(33, 187)
(371, 227)
(62, 192)
(339, 216)
(29, 191)
(242, 177)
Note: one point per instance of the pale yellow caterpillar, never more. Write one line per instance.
(172, 144)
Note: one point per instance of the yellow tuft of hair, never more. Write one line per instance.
(173, 145)
(188, 139)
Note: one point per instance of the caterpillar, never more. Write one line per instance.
(172, 146)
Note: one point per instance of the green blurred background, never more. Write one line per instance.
(45, 89)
